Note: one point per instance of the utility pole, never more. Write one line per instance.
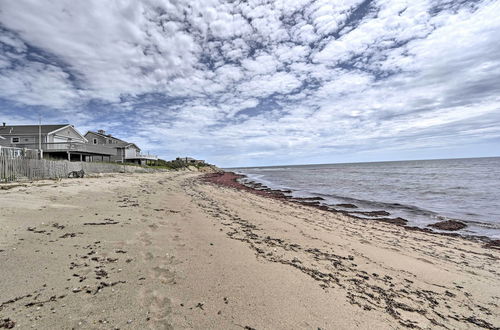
(40, 136)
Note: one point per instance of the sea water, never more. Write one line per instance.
(422, 191)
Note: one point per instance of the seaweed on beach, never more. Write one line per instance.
(106, 222)
(402, 300)
(449, 225)
(7, 323)
(232, 180)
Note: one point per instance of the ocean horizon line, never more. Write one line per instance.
(365, 162)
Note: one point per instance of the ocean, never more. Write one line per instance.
(421, 191)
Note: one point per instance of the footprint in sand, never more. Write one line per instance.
(164, 275)
(145, 239)
(153, 226)
(160, 309)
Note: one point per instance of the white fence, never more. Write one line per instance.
(11, 152)
(22, 169)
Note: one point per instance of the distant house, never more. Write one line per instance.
(126, 152)
(190, 160)
(56, 141)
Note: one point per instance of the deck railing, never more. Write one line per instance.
(147, 156)
(75, 147)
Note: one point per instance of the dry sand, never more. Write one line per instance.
(166, 250)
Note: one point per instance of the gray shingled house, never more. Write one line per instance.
(190, 160)
(126, 152)
(56, 141)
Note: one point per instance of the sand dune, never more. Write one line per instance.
(167, 250)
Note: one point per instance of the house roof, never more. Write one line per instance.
(133, 144)
(121, 143)
(108, 136)
(29, 129)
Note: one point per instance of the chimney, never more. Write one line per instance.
(3, 124)
(101, 131)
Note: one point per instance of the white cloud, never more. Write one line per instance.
(287, 79)
(262, 64)
(38, 84)
(266, 85)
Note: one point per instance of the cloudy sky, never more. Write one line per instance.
(260, 82)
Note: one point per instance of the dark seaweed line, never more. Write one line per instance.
(313, 202)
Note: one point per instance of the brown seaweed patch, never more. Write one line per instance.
(7, 323)
(449, 225)
(495, 244)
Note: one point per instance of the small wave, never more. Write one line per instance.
(433, 192)
(378, 204)
(486, 225)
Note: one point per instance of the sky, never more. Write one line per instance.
(252, 83)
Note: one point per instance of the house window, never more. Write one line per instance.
(15, 140)
(95, 141)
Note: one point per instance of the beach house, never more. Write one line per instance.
(61, 141)
(126, 152)
(190, 160)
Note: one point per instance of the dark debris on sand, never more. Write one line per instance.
(106, 222)
(7, 323)
(449, 225)
(495, 244)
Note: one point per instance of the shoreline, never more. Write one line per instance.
(231, 179)
(168, 250)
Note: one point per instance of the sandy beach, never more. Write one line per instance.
(170, 251)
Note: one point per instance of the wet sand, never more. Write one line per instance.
(241, 182)
(168, 250)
